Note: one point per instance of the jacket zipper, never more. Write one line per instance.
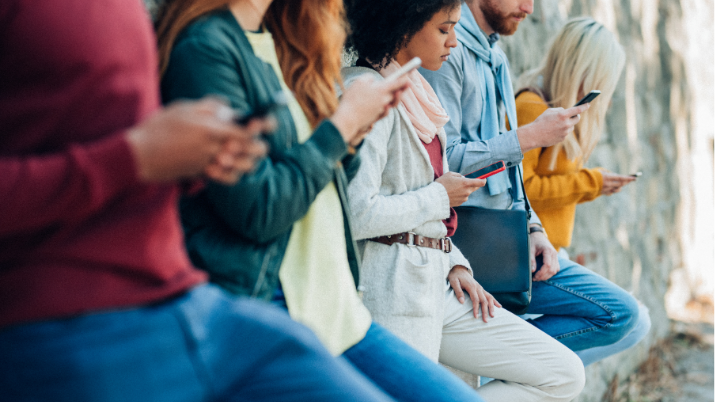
(262, 274)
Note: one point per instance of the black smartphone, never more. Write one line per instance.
(487, 171)
(262, 110)
(588, 98)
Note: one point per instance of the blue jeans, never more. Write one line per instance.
(201, 346)
(582, 309)
(592, 355)
(398, 369)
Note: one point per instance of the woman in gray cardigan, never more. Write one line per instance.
(400, 201)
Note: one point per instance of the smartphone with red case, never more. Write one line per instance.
(487, 171)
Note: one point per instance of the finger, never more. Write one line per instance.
(475, 183)
(474, 296)
(393, 86)
(457, 287)
(484, 305)
(577, 110)
(221, 175)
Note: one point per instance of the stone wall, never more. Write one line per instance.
(660, 123)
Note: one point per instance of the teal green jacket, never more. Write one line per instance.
(239, 233)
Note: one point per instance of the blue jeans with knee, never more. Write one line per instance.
(398, 369)
(582, 309)
(201, 346)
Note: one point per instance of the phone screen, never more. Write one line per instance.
(485, 172)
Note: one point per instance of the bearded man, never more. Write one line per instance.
(579, 308)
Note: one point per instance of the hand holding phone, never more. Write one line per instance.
(459, 187)
(409, 66)
(262, 110)
(487, 171)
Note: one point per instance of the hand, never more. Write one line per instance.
(365, 102)
(459, 187)
(187, 139)
(613, 182)
(550, 128)
(540, 245)
(460, 278)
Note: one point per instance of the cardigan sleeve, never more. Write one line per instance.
(265, 203)
(376, 214)
(556, 190)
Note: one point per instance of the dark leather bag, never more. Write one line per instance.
(496, 243)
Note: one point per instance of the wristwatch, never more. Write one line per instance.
(537, 228)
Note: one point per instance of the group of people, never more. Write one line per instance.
(172, 253)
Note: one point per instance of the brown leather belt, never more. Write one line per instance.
(413, 239)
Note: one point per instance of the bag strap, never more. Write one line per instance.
(527, 205)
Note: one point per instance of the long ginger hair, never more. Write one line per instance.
(309, 36)
(584, 56)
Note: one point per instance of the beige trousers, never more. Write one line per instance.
(528, 365)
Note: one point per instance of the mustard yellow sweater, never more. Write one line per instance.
(554, 193)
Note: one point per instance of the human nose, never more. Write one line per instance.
(527, 6)
(452, 39)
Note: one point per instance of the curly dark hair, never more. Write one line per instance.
(380, 28)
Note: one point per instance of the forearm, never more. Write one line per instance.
(464, 158)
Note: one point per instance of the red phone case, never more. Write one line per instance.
(492, 173)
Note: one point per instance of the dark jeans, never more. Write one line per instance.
(202, 346)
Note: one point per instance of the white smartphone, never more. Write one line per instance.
(409, 66)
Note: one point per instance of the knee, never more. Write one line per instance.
(570, 377)
(626, 316)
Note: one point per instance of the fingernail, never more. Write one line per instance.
(461, 299)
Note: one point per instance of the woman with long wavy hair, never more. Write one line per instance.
(282, 233)
(583, 56)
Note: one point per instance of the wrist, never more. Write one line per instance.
(526, 138)
(345, 124)
(536, 227)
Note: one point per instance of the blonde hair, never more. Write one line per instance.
(584, 56)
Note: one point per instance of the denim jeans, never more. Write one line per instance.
(397, 368)
(592, 355)
(582, 309)
(201, 346)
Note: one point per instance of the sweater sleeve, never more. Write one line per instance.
(556, 190)
(264, 204)
(38, 192)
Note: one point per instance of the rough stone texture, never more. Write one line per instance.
(660, 123)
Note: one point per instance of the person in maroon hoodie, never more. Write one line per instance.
(98, 300)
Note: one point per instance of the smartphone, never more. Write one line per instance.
(262, 110)
(588, 98)
(485, 172)
(637, 174)
(411, 65)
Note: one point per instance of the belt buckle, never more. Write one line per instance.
(411, 239)
(446, 244)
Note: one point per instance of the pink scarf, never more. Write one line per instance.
(422, 105)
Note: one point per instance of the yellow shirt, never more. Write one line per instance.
(554, 193)
(315, 273)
